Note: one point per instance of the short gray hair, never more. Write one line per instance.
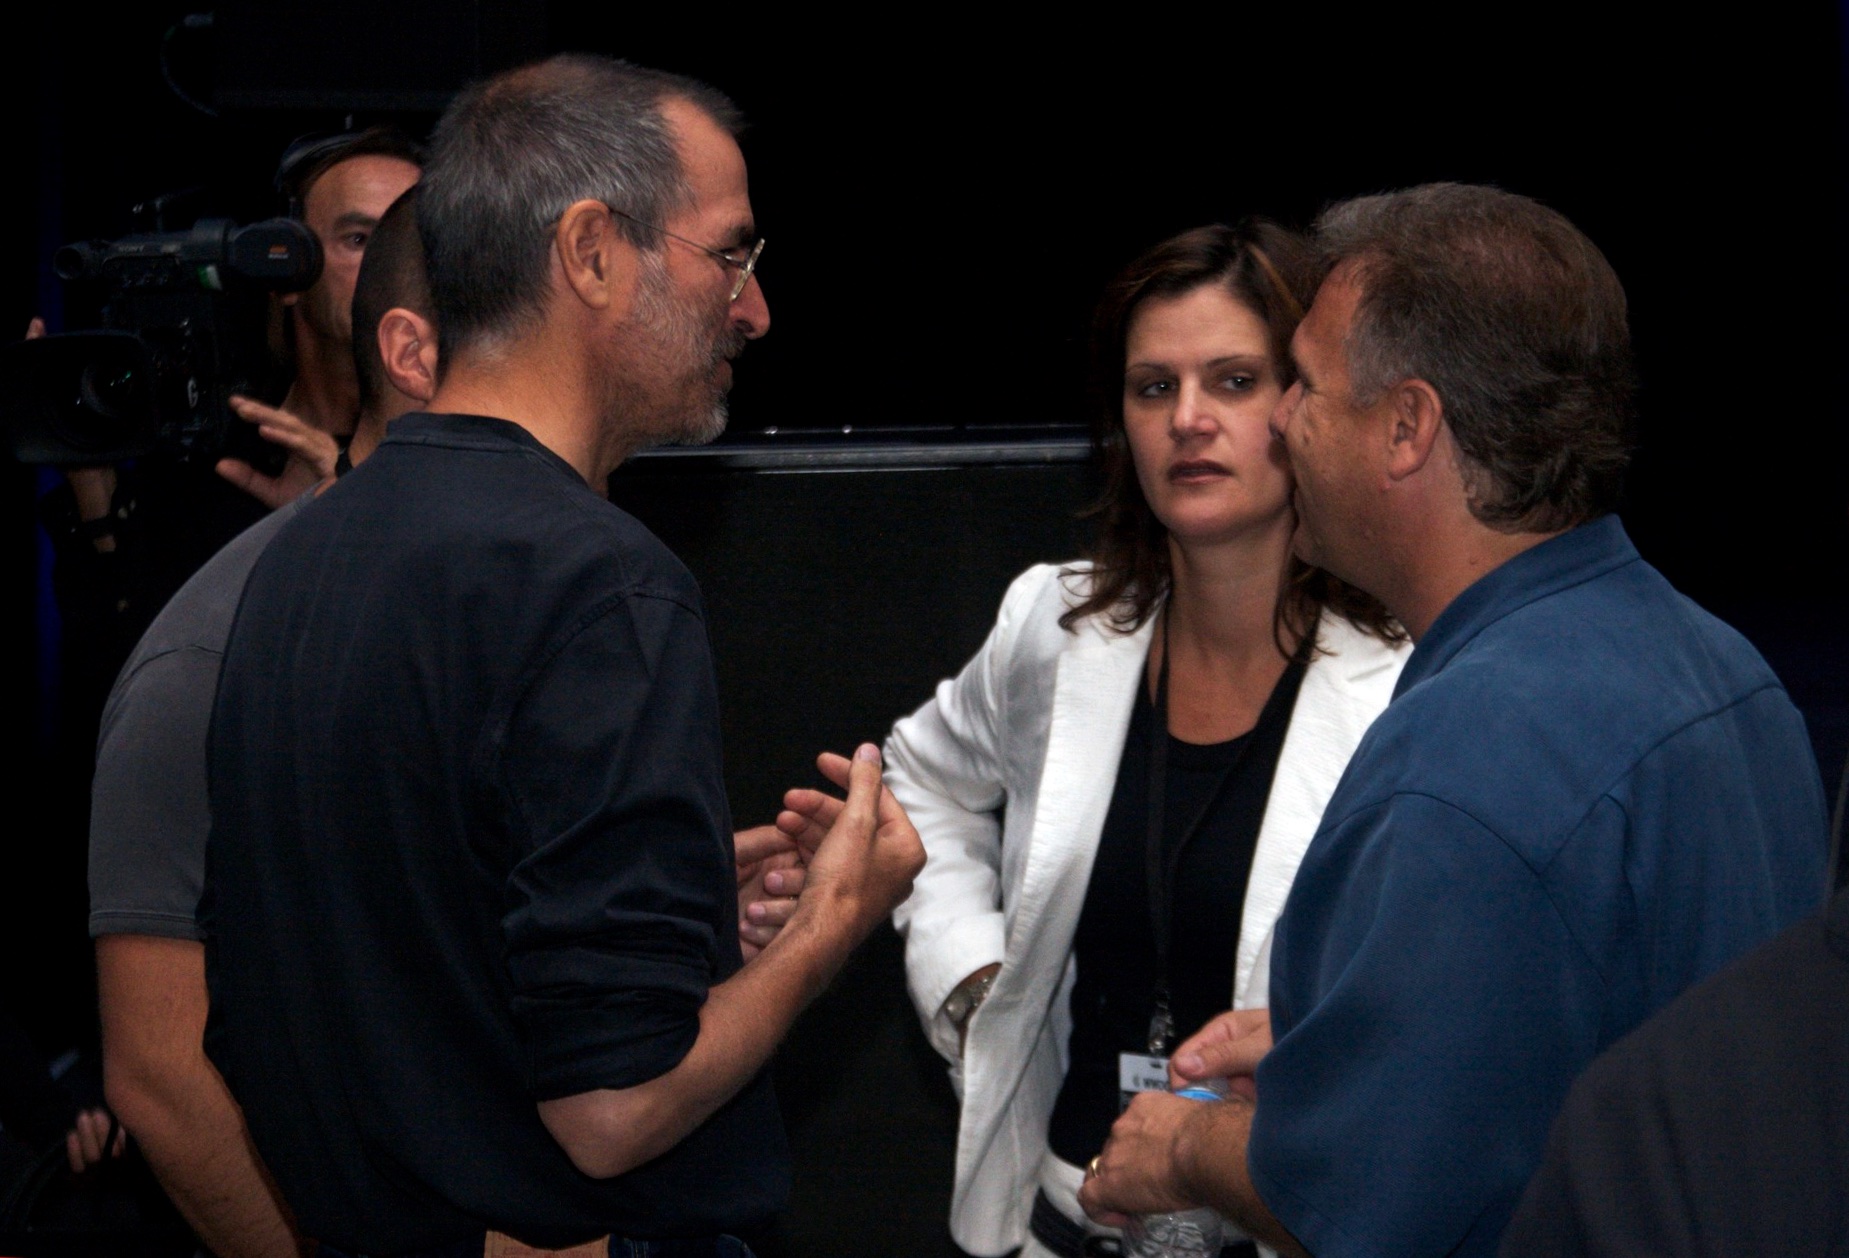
(1519, 323)
(513, 153)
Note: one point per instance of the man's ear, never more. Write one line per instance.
(1415, 415)
(408, 348)
(593, 256)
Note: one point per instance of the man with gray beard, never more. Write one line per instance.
(472, 922)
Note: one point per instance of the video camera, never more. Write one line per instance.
(184, 320)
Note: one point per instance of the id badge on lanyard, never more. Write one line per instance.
(1148, 1071)
(1139, 1072)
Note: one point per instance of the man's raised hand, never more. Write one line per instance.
(862, 853)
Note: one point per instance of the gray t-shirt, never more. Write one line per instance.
(148, 811)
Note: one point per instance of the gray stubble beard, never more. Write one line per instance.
(672, 324)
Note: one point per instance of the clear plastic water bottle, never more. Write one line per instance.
(1181, 1233)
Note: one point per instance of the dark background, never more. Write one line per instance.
(944, 197)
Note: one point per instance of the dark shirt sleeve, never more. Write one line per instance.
(1403, 1113)
(622, 875)
(149, 812)
(1721, 1126)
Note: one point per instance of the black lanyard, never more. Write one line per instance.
(1160, 865)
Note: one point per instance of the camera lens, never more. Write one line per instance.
(112, 390)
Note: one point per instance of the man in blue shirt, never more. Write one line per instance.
(1586, 795)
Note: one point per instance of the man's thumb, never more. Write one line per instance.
(863, 785)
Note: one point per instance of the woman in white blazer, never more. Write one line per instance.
(1231, 661)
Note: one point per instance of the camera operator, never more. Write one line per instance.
(127, 538)
(339, 186)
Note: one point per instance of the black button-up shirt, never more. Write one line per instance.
(471, 851)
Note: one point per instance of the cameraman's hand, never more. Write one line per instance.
(312, 454)
(94, 1135)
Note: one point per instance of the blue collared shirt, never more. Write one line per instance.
(1587, 794)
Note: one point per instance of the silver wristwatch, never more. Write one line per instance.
(966, 997)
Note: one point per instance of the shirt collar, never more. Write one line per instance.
(473, 432)
(1576, 556)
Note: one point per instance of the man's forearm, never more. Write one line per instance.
(1211, 1166)
(862, 867)
(610, 1131)
(174, 1102)
(201, 1152)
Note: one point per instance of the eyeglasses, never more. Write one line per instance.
(745, 265)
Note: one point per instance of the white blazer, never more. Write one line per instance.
(1008, 773)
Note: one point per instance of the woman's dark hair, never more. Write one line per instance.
(1273, 273)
